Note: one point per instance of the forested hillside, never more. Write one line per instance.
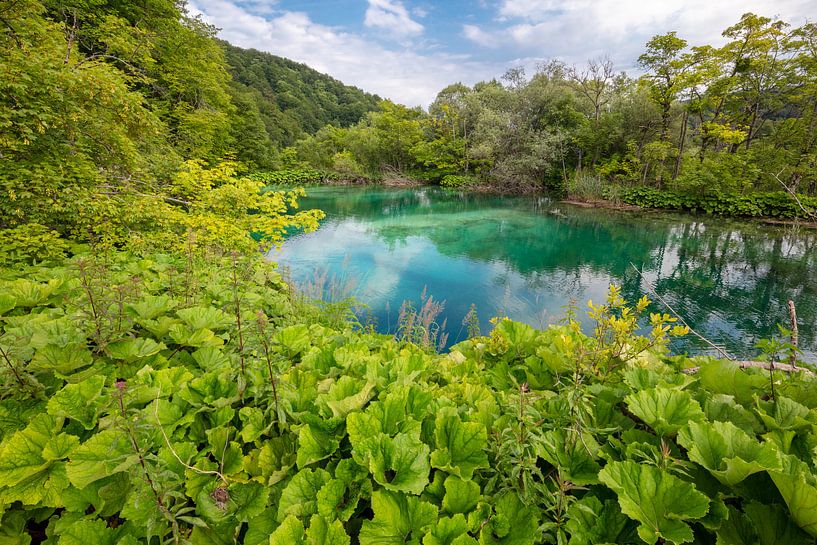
(701, 120)
(101, 103)
(293, 99)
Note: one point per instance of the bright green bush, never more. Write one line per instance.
(289, 176)
(455, 181)
(774, 204)
(30, 243)
(185, 400)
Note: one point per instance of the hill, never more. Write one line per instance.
(292, 98)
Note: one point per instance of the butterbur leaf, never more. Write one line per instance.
(103, 454)
(727, 451)
(398, 519)
(511, 524)
(85, 532)
(31, 470)
(250, 499)
(205, 318)
(737, 529)
(399, 464)
(783, 414)
(460, 496)
(316, 440)
(290, 532)
(724, 408)
(80, 401)
(723, 377)
(569, 453)
(665, 410)
(252, 423)
(659, 501)
(798, 486)
(134, 349)
(347, 395)
(448, 530)
(198, 338)
(7, 303)
(460, 445)
(774, 526)
(591, 522)
(294, 339)
(150, 307)
(63, 360)
(299, 498)
(323, 532)
(339, 499)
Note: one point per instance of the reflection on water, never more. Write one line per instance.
(527, 258)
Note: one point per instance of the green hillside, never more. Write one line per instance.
(293, 98)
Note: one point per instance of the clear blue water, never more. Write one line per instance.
(529, 257)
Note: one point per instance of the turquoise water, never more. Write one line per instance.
(529, 257)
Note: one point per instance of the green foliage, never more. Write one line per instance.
(156, 406)
(768, 204)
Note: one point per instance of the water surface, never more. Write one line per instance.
(529, 257)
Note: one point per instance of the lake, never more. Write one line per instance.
(528, 257)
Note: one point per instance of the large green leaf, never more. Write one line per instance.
(798, 486)
(205, 318)
(134, 349)
(728, 452)
(347, 395)
(665, 410)
(398, 463)
(591, 522)
(659, 501)
(61, 359)
(31, 466)
(104, 453)
(398, 519)
(81, 401)
(325, 532)
(573, 455)
(299, 498)
(461, 446)
(317, 439)
(512, 523)
(449, 531)
(460, 496)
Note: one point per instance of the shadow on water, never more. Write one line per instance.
(528, 257)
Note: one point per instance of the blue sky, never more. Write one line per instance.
(407, 50)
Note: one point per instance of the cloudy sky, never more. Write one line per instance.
(407, 50)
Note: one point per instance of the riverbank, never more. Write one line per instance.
(627, 207)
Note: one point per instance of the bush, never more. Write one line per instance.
(774, 204)
(455, 181)
(289, 176)
(30, 243)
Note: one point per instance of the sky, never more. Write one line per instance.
(408, 50)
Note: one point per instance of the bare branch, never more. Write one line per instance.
(809, 214)
(652, 292)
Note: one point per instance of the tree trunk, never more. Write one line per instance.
(681, 141)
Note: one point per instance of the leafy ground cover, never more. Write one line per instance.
(195, 400)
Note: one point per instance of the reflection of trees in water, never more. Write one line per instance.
(735, 276)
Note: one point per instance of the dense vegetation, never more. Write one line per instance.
(193, 400)
(102, 102)
(294, 100)
(730, 119)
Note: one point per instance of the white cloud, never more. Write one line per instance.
(481, 36)
(404, 75)
(576, 30)
(392, 16)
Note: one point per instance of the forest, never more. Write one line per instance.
(161, 382)
(700, 126)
